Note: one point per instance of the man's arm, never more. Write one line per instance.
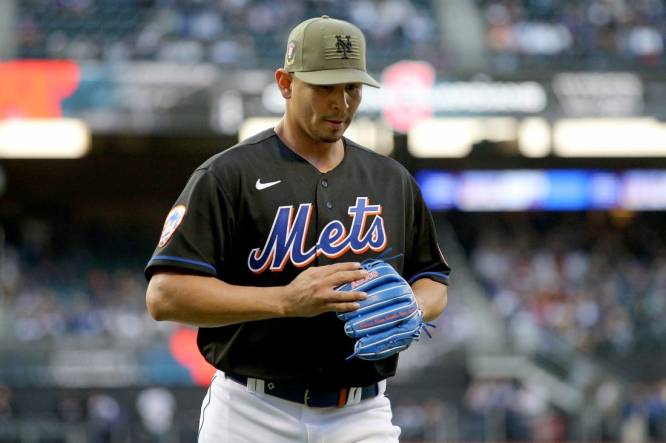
(208, 301)
(431, 296)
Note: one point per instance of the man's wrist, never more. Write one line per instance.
(282, 307)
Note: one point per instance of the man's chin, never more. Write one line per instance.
(330, 139)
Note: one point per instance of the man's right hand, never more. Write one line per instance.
(312, 292)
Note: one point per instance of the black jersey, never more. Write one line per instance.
(258, 214)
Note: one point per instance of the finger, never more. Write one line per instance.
(346, 276)
(344, 307)
(338, 267)
(346, 296)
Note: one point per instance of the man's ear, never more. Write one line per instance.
(284, 81)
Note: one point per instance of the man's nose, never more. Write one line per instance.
(340, 99)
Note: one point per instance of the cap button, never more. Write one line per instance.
(325, 16)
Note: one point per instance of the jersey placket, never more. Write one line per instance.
(325, 211)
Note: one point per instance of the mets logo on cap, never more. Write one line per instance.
(173, 220)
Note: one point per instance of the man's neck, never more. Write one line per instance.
(321, 155)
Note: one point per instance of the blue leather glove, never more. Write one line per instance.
(388, 320)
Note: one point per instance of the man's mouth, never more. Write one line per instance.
(334, 123)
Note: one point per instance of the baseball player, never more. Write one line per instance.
(263, 234)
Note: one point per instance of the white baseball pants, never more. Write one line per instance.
(232, 413)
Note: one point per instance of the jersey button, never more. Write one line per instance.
(324, 183)
(329, 205)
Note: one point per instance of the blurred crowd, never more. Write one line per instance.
(248, 34)
(151, 414)
(522, 412)
(237, 33)
(505, 409)
(593, 30)
(598, 281)
(508, 410)
(49, 291)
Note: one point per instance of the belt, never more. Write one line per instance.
(318, 398)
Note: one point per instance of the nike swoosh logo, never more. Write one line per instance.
(259, 185)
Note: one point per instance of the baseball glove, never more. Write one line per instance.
(388, 320)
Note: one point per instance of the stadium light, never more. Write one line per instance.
(534, 137)
(44, 138)
(610, 137)
(455, 137)
(442, 138)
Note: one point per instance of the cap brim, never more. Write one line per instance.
(336, 76)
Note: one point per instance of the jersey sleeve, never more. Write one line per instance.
(424, 259)
(196, 230)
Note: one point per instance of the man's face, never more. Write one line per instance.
(324, 112)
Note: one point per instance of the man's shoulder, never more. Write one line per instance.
(246, 150)
(375, 159)
(265, 136)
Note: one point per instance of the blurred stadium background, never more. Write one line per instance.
(535, 128)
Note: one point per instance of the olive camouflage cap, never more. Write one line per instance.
(326, 51)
